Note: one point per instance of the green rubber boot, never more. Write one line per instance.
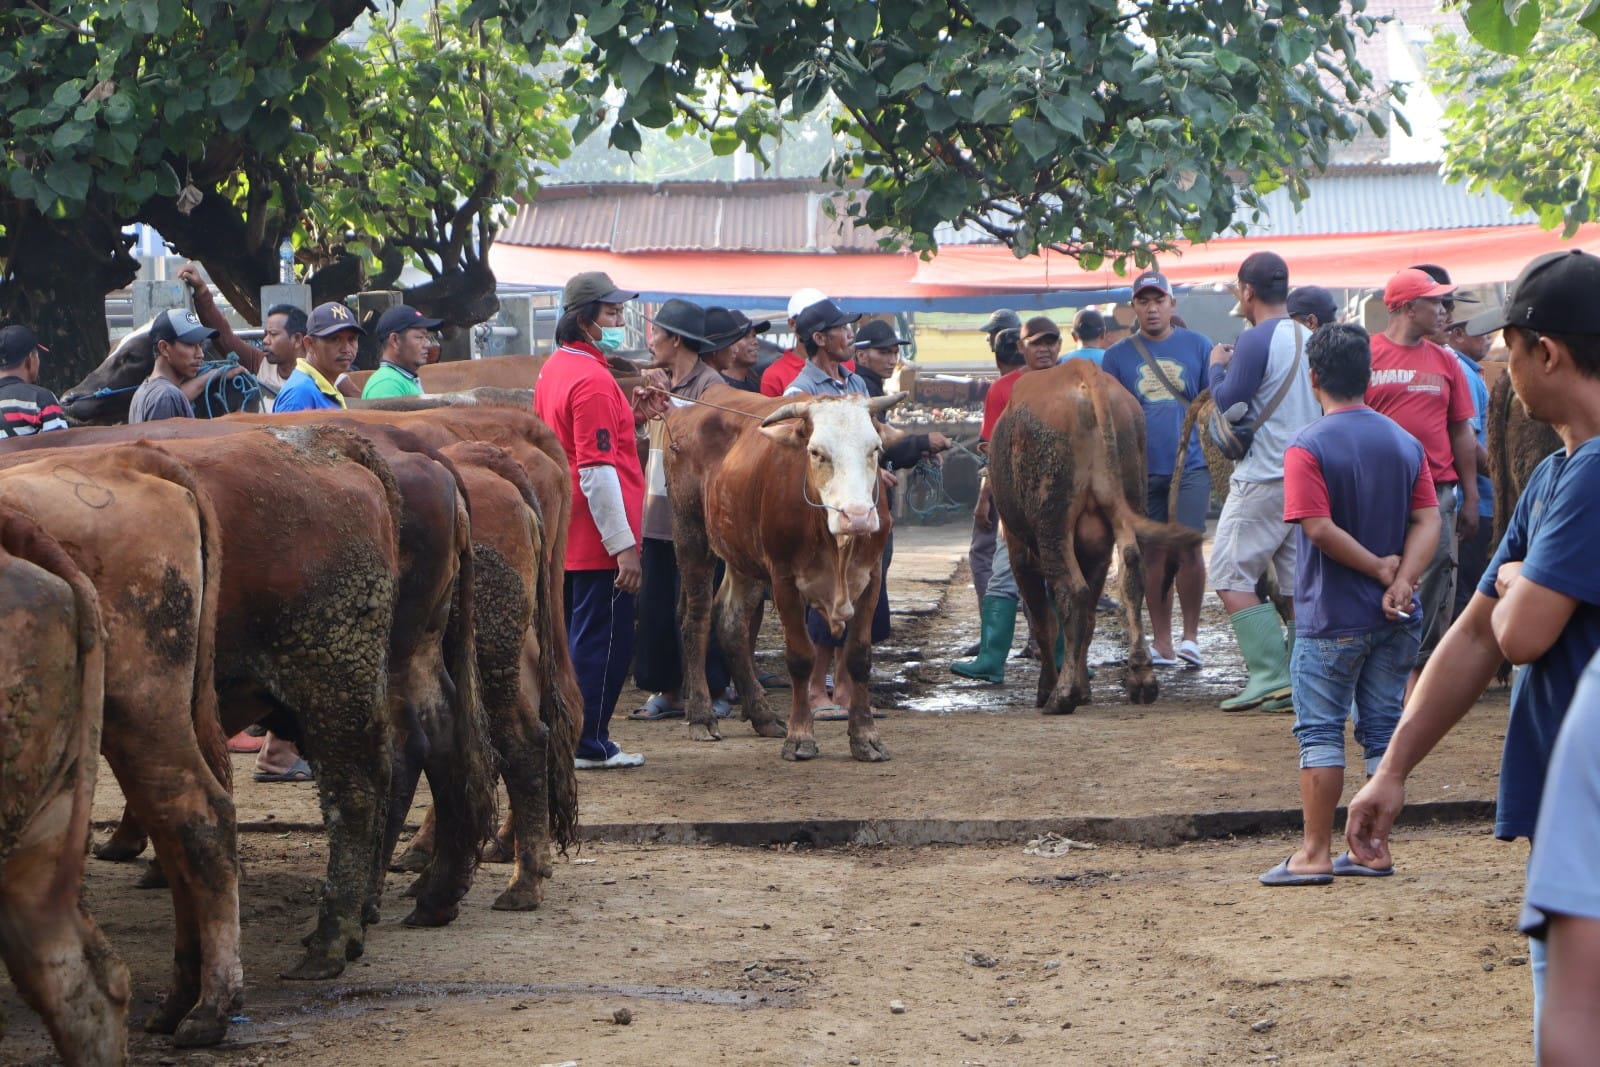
(998, 615)
(1260, 637)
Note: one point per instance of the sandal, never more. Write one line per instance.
(300, 772)
(657, 707)
(1189, 652)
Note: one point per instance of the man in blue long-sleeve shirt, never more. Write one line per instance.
(1265, 372)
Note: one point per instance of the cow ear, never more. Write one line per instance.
(791, 433)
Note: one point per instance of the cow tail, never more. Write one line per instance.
(469, 718)
(560, 702)
(1497, 420)
(1181, 460)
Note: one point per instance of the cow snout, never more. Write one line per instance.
(857, 519)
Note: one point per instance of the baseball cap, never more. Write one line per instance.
(1412, 284)
(878, 334)
(1559, 292)
(15, 344)
(180, 325)
(403, 317)
(328, 319)
(1040, 326)
(1152, 280)
(1002, 319)
(1313, 300)
(823, 315)
(1262, 269)
(804, 299)
(592, 286)
(1088, 325)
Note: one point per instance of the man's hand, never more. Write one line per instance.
(1388, 570)
(1507, 576)
(1221, 355)
(938, 442)
(629, 574)
(890, 478)
(190, 276)
(651, 399)
(981, 514)
(1397, 599)
(1371, 818)
(1467, 521)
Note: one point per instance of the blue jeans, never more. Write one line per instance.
(1330, 674)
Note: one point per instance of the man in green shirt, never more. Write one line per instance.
(403, 333)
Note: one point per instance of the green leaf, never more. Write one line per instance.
(1504, 25)
(1589, 17)
(1037, 138)
(69, 134)
(659, 47)
(69, 179)
(625, 137)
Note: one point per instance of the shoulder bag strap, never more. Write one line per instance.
(1288, 382)
(1150, 361)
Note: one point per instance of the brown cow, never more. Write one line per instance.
(786, 492)
(52, 677)
(1517, 443)
(158, 598)
(1067, 463)
(495, 372)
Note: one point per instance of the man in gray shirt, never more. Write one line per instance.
(823, 330)
(175, 337)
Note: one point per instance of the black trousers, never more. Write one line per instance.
(658, 647)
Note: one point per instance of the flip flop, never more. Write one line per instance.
(829, 713)
(1281, 875)
(655, 708)
(245, 742)
(1346, 866)
(1158, 660)
(773, 681)
(300, 772)
(1189, 652)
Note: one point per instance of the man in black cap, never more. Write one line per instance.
(402, 331)
(824, 332)
(330, 348)
(1312, 306)
(175, 338)
(26, 408)
(1089, 330)
(733, 338)
(1002, 319)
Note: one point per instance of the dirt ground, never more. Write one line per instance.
(916, 951)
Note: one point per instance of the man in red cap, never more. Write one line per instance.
(1422, 387)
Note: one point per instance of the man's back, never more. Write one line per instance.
(27, 409)
(1264, 358)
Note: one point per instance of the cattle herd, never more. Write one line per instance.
(384, 587)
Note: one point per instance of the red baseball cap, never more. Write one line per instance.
(1412, 284)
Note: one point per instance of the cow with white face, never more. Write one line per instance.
(788, 493)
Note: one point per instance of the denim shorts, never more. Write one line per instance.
(1194, 498)
(1361, 677)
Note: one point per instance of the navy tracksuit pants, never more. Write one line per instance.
(600, 637)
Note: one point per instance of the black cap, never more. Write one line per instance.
(878, 334)
(1040, 326)
(1088, 325)
(179, 325)
(1313, 300)
(1151, 279)
(328, 319)
(724, 326)
(16, 342)
(1559, 292)
(684, 319)
(1002, 319)
(591, 286)
(403, 317)
(823, 315)
(1261, 269)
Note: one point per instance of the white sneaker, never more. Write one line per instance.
(621, 759)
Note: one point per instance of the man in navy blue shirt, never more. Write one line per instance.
(1539, 601)
(1165, 367)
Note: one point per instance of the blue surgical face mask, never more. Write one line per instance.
(611, 338)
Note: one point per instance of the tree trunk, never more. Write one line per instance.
(58, 273)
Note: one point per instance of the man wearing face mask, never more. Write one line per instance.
(596, 425)
(330, 348)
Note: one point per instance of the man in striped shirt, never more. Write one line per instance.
(25, 407)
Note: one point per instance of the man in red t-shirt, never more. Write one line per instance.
(596, 425)
(1040, 346)
(1422, 387)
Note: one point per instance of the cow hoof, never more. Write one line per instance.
(316, 967)
(1060, 706)
(804, 748)
(410, 892)
(412, 861)
(1143, 691)
(519, 898)
(704, 731)
(437, 916)
(770, 729)
(497, 851)
(869, 751)
(167, 1016)
(199, 1030)
(153, 877)
(369, 914)
(120, 850)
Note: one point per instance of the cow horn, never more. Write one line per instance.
(879, 404)
(788, 411)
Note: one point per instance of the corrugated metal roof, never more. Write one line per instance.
(1379, 199)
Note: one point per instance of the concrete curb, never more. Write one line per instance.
(1157, 831)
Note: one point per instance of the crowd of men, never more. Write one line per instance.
(1358, 489)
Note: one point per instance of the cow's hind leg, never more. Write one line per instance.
(864, 743)
(1042, 618)
(1075, 609)
(57, 957)
(126, 842)
(523, 744)
(1140, 675)
(737, 601)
